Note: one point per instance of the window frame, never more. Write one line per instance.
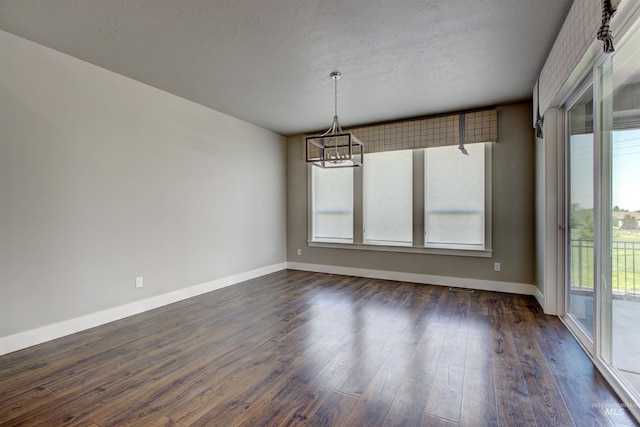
(486, 211)
(312, 228)
(370, 241)
(418, 215)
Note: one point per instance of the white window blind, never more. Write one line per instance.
(455, 197)
(388, 198)
(332, 205)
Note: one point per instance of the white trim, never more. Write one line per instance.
(619, 386)
(32, 337)
(610, 375)
(555, 220)
(478, 253)
(427, 279)
(43, 334)
(539, 297)
(358, 240)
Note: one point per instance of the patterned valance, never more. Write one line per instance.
(436, 131)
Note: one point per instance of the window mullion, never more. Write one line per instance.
(418, 198)
(358, 203)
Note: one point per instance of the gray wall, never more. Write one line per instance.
(512, 221)
(103, 179)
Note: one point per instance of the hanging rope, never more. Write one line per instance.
(461, 131)
(604, 33)
(539, 118)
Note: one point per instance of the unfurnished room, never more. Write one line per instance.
(319, 213)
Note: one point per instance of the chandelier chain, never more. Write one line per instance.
(335, 86)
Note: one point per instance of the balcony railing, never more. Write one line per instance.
(625, 267)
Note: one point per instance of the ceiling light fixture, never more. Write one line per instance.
(335, 148)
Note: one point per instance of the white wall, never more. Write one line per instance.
(103, 179)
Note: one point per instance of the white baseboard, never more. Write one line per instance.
(36, 336)
(427, 279)
(540, 297)
(32, 337)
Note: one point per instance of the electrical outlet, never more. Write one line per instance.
(299, 252)
(139, 282)
(496, 266)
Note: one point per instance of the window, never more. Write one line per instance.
(433, 200)
(454, 197)
(332, 208)
(388, 198)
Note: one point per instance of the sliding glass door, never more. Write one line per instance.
(620, 135)
(580, 201)
(602, 212)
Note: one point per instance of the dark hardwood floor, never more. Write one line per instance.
(297, 348)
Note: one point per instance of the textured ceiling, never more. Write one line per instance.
(268, 61)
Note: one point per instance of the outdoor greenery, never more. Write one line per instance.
(625, 258)
(581, 223)
(629, 222)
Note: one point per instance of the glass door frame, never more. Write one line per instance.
(588, 342)
(600, 347)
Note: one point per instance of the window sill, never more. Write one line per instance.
(478, 253)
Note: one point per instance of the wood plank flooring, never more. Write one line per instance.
(296, 348)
